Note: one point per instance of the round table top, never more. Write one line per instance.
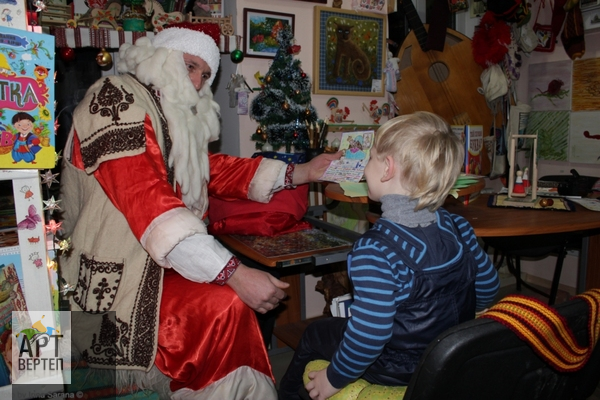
(334, 191)
(502, 221)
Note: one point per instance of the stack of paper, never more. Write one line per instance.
(463, 181)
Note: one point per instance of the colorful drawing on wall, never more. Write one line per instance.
(349, 52)
(584, 137)
(13, 14)
(260, 28)
(586, 85)
(550, 86)
(552, 128)
(26, 99)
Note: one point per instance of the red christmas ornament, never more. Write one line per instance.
(295, 49)
(303, 75)
(67, 54)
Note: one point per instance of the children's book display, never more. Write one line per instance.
(12, 298)
(27, 144)
(356, 149)
(26, 99)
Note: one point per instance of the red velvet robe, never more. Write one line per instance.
(205, 330)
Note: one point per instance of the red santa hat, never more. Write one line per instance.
(200, 40)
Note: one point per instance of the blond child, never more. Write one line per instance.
(417, 272)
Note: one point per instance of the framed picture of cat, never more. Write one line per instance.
(259, 26)
(349, 52)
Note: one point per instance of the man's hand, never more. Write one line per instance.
(259, 290)
(319, 387)
(314, 169)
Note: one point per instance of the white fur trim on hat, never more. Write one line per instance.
(192, 42)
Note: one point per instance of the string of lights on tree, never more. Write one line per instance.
(283, 108)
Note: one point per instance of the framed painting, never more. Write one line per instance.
(260, 29)
(349, 52)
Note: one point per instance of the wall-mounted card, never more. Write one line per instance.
(13, 14)
(356, 148)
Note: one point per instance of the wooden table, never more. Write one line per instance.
(497, 221)
(291, 254)
(334, 191)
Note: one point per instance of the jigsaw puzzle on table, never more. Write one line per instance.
(310, 240)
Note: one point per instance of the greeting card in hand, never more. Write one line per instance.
(356, 148)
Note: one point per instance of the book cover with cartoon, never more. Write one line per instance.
(473, 149)
(12, 299)
(26, 99)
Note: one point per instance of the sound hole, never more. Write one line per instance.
(438, 72)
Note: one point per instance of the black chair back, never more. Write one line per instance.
(483, 359)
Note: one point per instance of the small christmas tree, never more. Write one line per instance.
(283, 108)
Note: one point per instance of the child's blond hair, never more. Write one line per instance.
(429, 155)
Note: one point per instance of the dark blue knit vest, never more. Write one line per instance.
(440, 298)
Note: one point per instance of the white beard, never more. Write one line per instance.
(190, 133)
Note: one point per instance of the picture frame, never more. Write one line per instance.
(357, 67)
(589, 4)
(216, 8)
(259, 41)
(546, 37)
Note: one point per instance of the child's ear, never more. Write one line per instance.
(389, 170)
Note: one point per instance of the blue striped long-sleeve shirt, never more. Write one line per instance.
(380, 286)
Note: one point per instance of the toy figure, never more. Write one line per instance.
(519, 188)
(338, 114)
(526, 183)
(375, 112)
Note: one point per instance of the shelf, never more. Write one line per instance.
(113, 39)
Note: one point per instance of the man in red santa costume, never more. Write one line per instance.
(155, 291)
